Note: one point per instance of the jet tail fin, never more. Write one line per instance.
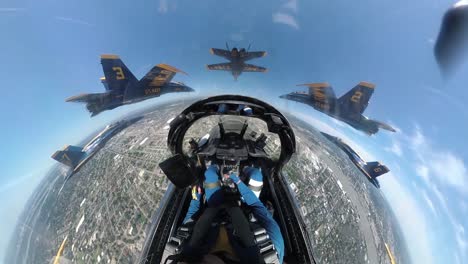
(70, 155)
(375, 169)
(357, 99)
(117, 75)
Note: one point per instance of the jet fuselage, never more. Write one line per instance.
(123, 88)
(334, 107)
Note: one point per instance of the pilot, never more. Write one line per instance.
(227, 233)
(241, 109)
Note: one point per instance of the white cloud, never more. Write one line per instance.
(291, 5)
(445, 176)
(423, 171)
(11, 9)
(411, 218)
(429, 202)
(163, 6)
(73, 21)
(437, 164)
(17, 193)
(283, 18)
(449, 168)
(395, 148)
(462, 244)
(418, 139)
(440, 197)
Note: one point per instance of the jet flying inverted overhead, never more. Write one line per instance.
(348, 108)
(237, 60)
(123, 88)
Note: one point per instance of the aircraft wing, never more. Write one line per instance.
(253, 68)
(220, 67)
(322, 95)
(220, 52)
(384, 126)
(253, 54)
(159, 75)
(84, 98)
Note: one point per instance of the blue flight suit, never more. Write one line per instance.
(214, 198)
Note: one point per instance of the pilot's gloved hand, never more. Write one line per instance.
(197, 193)
(212, 186)
(233, 177)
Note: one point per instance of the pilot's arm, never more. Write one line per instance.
(262, 214)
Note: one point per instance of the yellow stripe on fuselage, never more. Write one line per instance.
(59, 252)
(315, 85)
(392, 259)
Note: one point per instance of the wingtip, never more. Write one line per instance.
(367, 84)
(315, 85)
(69, 99)
(72, 98)
(110, 56)
(170, 68)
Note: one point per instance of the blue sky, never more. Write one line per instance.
(50, 50)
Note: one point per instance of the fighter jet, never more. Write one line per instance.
(348, 108)
(123, 88)
(237, 60)
(75, 157)
(371, 170)
(453, 37)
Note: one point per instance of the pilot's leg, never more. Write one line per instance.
(194, 207)
(256, 179)
(213, 194)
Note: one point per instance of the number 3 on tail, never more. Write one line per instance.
(119, 75)
(356, 97)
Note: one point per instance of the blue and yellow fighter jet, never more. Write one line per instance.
(348, 108)
(123, 88)
(371, 169)
(237, 60)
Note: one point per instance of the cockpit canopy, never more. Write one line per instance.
(234, 139)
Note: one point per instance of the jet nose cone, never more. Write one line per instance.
(284, 96)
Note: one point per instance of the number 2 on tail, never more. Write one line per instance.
(356, 97)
